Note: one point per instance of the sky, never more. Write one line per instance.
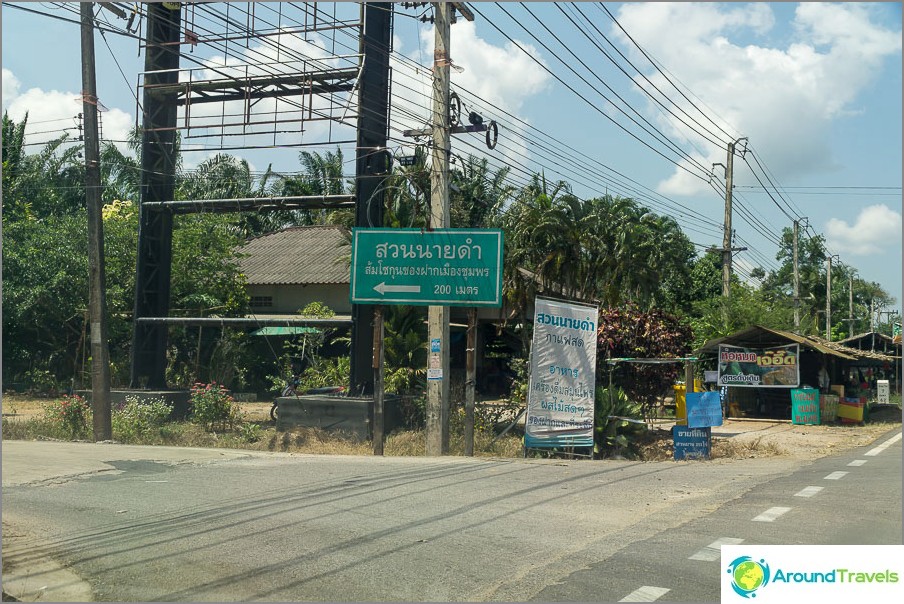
(811, 93)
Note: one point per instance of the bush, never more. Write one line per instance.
(212, 407)
(612, 435)
(326, 372)
(71, 414)
(135, 419)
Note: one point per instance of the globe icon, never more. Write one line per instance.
(748, 575)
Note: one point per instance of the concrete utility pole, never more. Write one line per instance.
(100, 364)
(726, 234)
(829, 298)
(727, 231)
(796, 278)
(438, 316)
(850, 305)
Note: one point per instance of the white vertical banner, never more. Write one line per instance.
(562, 375)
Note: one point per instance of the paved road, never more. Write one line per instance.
(147, 523)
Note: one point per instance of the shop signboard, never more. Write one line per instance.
(805, 406)
(704, 409)
(692, 443)
(562, 375)
(773, 367)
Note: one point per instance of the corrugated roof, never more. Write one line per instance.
(757, 335)
(298, 256)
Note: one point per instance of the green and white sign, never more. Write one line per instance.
(443, 267)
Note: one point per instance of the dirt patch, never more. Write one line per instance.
(745, 439)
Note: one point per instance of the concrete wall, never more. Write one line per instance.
(336, 413)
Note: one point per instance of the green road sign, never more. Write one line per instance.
(443, 267)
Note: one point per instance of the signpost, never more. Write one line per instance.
(442, 267)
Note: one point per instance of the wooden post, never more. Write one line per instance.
(378, 428)
(470, 379)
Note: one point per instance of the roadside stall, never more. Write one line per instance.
(769, 373)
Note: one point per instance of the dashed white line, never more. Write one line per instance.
(808, 492)
(771, 514)
(858, 462)
(646, 593)
(713, 551)
(836, 476)
(884, 445)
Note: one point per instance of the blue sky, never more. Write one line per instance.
(815, 88)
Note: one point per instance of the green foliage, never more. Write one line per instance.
(136, 419)
(71, 414)
(404, 350)
(613, 434)
(250, 433)
(609, 249)
(746, 306)
(326, 372)
(212, 407)
(520, 384)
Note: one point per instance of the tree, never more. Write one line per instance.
(627, 332)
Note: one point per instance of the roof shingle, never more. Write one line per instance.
(298, 256)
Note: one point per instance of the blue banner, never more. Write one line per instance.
(704, 409)
(692, 443)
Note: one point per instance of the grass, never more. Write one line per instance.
(23, 419)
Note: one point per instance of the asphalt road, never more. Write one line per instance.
(153, 524)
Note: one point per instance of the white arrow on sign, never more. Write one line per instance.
(382, 288)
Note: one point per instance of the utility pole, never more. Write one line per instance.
(727, 231)
(100, 365)
(851, 305)
(438, 316)
(796, 278)
(829, 298)
(726, 234)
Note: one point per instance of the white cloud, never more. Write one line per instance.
(11, 86)
(783, 99)
(876, 229)
(501, 75)
(53, 113)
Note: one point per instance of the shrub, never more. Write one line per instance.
(326, 372)
(136, 418)
(612, 435)
(72, 414)
(212, 407)
(250, 433)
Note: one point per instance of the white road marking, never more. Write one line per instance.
(645, 594)
(808, 492)
(858, 462)
(884, 445)
(836, 476)
(713, 551)
(771, 514)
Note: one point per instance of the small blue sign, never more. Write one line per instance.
(704, 409)
(434, 345)
(692, 443)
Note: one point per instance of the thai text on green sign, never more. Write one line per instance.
(442, 267)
